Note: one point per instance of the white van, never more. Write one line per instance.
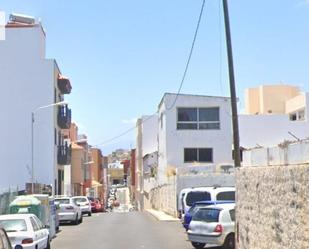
(207, 194)
(180, 201)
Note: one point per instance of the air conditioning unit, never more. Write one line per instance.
(19, 18)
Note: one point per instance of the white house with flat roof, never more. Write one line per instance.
(194, 130)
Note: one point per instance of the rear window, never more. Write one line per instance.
(17, 225)
(207, 215)
(226, 196)
(62, 201)
(80, 199)
(195, 196)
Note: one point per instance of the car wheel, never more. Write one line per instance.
(89, 214)
(198, 245)
(229, 242)
(81, 219)
(48, 244)
(76, 222)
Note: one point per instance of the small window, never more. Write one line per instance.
(226, 196)
(34, 224)
(293, 116)
(195, 196)
(204, 155)
(232, 214)
(187, 114)
(191, 155)
(40, 224)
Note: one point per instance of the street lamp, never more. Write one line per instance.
(32, 140)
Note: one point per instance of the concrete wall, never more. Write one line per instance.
(272, 207)
(272, 198)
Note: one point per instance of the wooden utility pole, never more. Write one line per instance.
(237, 160)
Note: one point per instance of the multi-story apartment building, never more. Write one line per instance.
(31, 83)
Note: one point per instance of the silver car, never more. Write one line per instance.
(83, 203)
(68, 210)
(213, 225)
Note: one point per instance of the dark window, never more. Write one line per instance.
(198, 118)
(207, 214)
(232, 214)
(226, 196)
(187, 114)
(191, 155)
(204, 155)
(55, 136)
(195, 196)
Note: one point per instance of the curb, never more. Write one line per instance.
(161, 216)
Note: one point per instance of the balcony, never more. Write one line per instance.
(64, 85)
(64, 117)
(64, 154)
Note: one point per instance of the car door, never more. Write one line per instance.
(35, 227)
(42, 233)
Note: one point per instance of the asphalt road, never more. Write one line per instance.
(132, 230)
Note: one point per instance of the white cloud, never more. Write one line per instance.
(129, 121)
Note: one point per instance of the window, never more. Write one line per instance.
(198, 118)
(195, 196)
(40, 224)
(13, 225)
(198, 155)
(298, 115)
(226, 196)
(232, 214)
(207, 214)
(34, 225)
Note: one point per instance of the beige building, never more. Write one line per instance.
(77, 174)
(270, 99)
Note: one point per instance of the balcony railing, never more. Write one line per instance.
(64, 154)
(64, 117)
(64, 85)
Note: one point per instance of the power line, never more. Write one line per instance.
(124, 133)
(179, 89)
(190, 55)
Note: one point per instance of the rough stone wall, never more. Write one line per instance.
(273, 207)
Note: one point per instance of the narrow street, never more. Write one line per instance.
(129, 230)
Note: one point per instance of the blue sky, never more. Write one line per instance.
(121, 56)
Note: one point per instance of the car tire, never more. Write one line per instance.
(89, 214)
(229, 242)
(76, 222)
(81, 219)
(48, 244)
(198, 245)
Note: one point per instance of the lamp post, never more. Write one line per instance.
(32, 140)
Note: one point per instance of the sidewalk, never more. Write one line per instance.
(161, 216)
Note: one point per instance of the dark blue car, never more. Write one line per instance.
(195, 207)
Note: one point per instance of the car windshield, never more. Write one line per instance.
(226, 196)
(195, 196)
(207, 215)
(80, 199)
(62, 201)
(18, 225)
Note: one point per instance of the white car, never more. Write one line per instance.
(213, 225)
(83, 203)
(25, 231)
(68, 210)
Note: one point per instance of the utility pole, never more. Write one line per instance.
(232, 85)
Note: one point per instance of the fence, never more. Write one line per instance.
(6, 197)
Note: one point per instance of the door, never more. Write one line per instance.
(36, 237)
(43, 234)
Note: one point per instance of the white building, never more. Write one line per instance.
(193, 130)
(264, 130)
(29, 81)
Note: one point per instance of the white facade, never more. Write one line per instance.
(172, 141)
(28, 81)
(272, 129)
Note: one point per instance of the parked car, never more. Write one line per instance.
(213, 225)
(207, 194)
(98, 205)
(25, 231)
(194, 208)
(5, 242)
(68, 210)
(180, 201)
(83, 203)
